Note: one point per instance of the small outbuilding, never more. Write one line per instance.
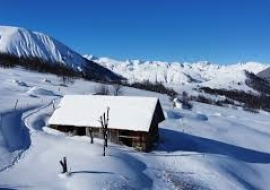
(133, 121)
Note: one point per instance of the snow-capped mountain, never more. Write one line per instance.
(175, 73)
(21, 42)
(25, 43)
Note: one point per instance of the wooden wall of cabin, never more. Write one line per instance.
(80, 131)
(140, 143)
(134, 139)
(66, 129)
(112, 134)
(138, 140)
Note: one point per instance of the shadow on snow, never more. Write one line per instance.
(90, 172)
(178, 141)
(14, 131)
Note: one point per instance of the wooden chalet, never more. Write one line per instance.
(133, 121)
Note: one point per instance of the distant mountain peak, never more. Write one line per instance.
(22, 42)
(202, 73)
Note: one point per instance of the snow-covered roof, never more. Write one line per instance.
(126, 112)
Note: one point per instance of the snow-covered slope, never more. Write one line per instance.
(23, 42)
(192, 74)
(265, 74)
(208, 147)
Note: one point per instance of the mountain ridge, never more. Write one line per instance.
(265, 74)
(23, 43)
(202, 73)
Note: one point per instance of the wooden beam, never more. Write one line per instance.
(128, 137)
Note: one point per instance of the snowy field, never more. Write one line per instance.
(209, 147)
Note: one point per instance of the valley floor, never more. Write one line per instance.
(209, 147)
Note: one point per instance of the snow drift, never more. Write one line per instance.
(39, 91)
(202, 148)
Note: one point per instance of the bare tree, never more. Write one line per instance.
(102, 90)
(104, 121)
(117, 90)
(64, 165)
(91, 136)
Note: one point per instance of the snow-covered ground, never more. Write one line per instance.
(207, 148)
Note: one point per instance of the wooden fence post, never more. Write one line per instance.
(89, 133)
(91, 136)
(16, 104)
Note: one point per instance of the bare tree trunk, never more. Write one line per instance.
(91, 136)
(106, 127)
(104, 123)
(64, 165)
(104, 149)
(103, 127)
(89, 133)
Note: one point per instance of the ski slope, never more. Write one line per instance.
(208, 147)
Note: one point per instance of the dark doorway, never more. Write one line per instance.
(126, 137)
(126, 141)
(80, 131)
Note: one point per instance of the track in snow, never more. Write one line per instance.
(16, 129)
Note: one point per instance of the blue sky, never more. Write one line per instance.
(220, 31)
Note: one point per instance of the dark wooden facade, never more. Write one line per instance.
(140, 140)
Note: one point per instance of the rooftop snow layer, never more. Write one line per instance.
(128, 113)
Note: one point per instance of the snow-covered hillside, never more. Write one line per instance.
(19, 42)
(265, 74)
(190, 74)
(22, 42)
(208, 147)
